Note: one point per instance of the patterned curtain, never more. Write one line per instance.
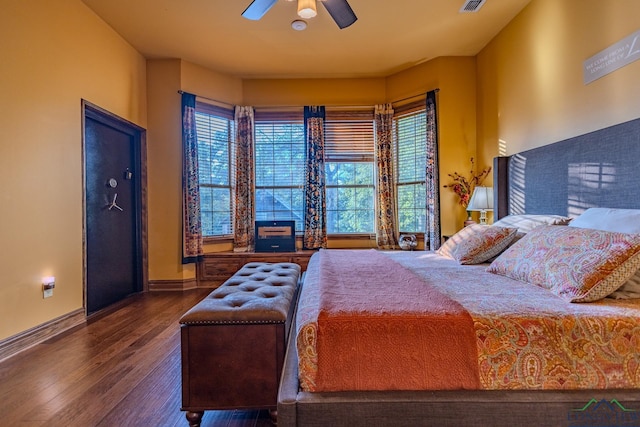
(315, 205)
(432, 235)
(386, 234)
(244, 210)
(191, 223)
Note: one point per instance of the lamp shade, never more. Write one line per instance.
(307, 9)
(481, 199)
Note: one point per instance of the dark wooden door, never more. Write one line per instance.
(112, 210)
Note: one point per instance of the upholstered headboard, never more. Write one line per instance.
(598, 169)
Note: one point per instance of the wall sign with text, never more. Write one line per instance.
(610, 59)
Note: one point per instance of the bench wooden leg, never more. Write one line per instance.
(194, 418)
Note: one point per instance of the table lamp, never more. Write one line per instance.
(481, 200)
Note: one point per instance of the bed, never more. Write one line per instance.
(500, 349)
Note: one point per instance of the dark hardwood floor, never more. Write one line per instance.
(121, 369)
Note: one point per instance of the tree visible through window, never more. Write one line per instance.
(410, 143)
(350, 198)
(349, 172)
(215, 130)
(279, 169)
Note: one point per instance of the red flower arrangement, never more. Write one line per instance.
(463, 186)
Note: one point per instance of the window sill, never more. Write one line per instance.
(217, 239)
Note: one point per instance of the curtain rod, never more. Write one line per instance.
(436, 90)
(226, 104)
(300, 107)
(279, 107)
(222, 103)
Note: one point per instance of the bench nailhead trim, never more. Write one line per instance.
(256, 290)
(233, 322)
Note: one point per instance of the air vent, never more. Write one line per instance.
(471, 6)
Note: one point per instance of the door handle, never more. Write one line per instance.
(114, 204)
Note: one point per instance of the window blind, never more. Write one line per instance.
(411, 147)
(279, 168)
(214, 135)
(349, 136)
(214, 110)
(215, 131)
(279, 153)
(410, 135)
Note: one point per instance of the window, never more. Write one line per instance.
(279, 168)
(349, 171)
(215, 131)
(410, 125)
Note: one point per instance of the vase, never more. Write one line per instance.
(469, 219)
(407, 242)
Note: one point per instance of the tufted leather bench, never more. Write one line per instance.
(234, 340)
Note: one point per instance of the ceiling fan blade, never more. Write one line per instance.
(258, 8)
(341, 12)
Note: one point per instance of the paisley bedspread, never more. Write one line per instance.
(526, 337)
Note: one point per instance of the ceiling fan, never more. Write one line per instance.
(339, 10)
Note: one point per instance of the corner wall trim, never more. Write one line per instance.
(36, 335)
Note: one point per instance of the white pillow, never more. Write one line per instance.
(526, 223)
(630, 289)
(607, 219)
(621, 221)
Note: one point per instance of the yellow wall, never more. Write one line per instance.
(164, 147)
(299, 92)
(455, 77)
(53, 55)
(210, 84)
(164, 171)
(530, 83)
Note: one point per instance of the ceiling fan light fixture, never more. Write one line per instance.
(339, 10)
(307, 9)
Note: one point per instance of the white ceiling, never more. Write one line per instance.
(388, 36)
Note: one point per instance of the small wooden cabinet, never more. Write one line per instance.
(217, 267)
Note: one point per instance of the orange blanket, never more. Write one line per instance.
(381, 327)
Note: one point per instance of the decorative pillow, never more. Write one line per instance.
(579, 265)
(621, 221)
(477, 243)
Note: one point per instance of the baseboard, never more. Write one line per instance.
(172, 285)
(34, 336)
